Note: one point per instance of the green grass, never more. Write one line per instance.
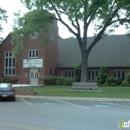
(108, 92)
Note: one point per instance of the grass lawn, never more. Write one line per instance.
(109, 92)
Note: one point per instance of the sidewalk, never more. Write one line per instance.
(87, 99)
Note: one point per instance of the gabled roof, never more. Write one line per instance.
(111, 51)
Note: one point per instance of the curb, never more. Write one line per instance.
(87, 99)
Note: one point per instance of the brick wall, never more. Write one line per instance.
(48, 53)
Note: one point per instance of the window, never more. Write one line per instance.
(52, 33)
(69, 73)
(33, 53)
(9, 69)
(119, 74)
(92, 74)
(51, 70)
(10, 41)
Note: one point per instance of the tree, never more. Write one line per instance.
(33, 24)
(3, 17)
(106, 15)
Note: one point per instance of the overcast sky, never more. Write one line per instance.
(14, 5)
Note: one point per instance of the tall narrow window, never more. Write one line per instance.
(33, 53)
(50, 71)
(92, 74)
(52, 33)
(119, 74)
(9, 64)
(69, 73)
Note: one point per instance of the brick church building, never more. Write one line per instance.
(60, 57)
(34, 63)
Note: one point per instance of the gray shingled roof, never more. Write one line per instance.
(111, 51)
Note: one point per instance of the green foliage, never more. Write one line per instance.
(60, 80)
(113, 81)
(68, 81)
(102, 77)
(113, 84)
(3, 17)
(127, 77)
(51, 80)
(126, 82)
(31, 25)
(106, 15)
(77, 70)
(106, 80)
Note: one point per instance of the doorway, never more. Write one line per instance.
(34, 76)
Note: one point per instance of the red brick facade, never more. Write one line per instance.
(48, 53)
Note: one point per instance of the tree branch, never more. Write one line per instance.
(60, 19)
(98, 37)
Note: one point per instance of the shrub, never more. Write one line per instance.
(49, 80)
(109, 80)
(102, 78)
(113, 84)
(125, 83)
(77, 70)
(117, 80)
(59, 80)
(127, 77)
(68, 81)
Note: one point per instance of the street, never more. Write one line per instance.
(39, 114)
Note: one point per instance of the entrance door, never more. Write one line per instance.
(34, 76)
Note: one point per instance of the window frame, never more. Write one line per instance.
(69, 73)
(92, 74)
(9, 64)
(119, 73)
(33, 53)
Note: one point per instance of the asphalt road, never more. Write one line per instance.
(61, 115)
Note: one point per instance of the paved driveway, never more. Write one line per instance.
(39, 114)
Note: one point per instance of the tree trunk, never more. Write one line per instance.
(84, 66)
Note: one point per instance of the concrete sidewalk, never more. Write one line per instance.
(87, 99)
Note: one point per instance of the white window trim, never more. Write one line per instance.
(9, 67)
(71, 71)
(91, 75)
(121, 70)
(32, 53)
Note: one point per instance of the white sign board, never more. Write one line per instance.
(32, 63)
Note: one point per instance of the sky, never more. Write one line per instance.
(14, 5)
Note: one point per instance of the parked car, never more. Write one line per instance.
(7, 91)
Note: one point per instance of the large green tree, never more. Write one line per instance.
(3, 17)
(106, 15)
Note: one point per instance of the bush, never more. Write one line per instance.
(59, 80)
(109, 80)
(102, 78)
(69, 81)
(125, 83)
(77, 70)
(113, 84)
(117, 81)
(127, 77)
(49, 80)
